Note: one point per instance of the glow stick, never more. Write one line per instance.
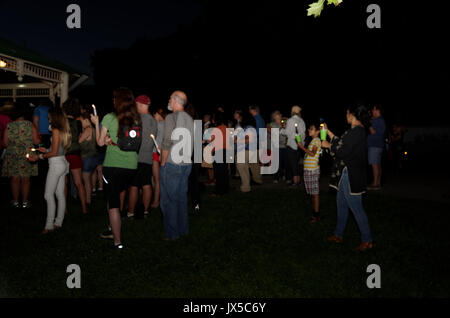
(156, 144)
(95, 110)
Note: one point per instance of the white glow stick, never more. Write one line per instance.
(156, 144)
(95, 110)
(104, 179)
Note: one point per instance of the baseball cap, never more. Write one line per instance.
(143, 99)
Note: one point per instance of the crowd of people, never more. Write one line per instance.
(128, 154)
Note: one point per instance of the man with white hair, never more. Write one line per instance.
(175, 168)
(294, 126)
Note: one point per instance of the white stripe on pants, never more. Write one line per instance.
(58, 168)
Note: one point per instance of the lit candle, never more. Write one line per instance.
(156, 144)
(95, 110)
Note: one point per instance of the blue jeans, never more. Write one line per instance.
(345, 201)
(174, 200)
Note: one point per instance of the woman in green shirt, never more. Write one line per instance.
(119, 166)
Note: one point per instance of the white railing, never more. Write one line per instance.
(41, 72)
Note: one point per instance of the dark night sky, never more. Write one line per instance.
(407, 59)
(42, 25)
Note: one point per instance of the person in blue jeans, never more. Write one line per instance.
(176, 167)
(349, 174)
(174, 200)
(376, 144)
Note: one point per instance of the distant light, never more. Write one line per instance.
(3, 64)
(406, 153)
(22, 85)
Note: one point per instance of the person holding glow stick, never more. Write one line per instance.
(119, 166)
(311, 169)
(349, 174)
(58, 168)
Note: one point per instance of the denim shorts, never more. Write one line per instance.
(90, 163)
(375, 155)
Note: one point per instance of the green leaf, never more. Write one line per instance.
(316, 8)
(335, 2)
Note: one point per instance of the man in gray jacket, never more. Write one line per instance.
(176, 165)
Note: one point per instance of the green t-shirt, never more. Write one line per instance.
(114, 156)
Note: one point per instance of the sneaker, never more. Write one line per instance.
(197, 208)
(130, 215)
(146, 214)
(373, 188)
(107, 234)
(14, 204)
(118, 246)
(26, 204)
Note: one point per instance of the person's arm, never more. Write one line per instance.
(56, 140)
(344, 148)
(372, 131)
(5, 138)
(85, 135)
(169, 126)
(36, 122)
(35, 135)
(100, 135)
(309, 152)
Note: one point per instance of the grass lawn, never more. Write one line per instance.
(258, 244)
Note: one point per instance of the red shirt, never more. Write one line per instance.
(225, 137)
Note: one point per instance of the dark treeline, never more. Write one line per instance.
(271, 54)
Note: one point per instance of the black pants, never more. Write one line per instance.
(194, 185)
(221, 175)
(282, 164)
(293, 168)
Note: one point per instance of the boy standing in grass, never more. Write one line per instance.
(312, 169)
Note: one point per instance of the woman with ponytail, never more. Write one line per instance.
(119, 166)
(58, 168)
(349, 174)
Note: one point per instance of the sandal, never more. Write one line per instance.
(364, 246)
(335, 239)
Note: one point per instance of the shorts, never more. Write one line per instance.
(101, 158)
(374, 155)
(116, 180)
(90, 163)
(311, 178)
(155, 157)
(75, 162)
(143, 175)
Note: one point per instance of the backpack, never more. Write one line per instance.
(131, 139)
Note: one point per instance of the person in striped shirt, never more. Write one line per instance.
(311, 169)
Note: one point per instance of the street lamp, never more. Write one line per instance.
(3, 64)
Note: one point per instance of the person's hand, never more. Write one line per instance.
(108, 141)
(94, 119)
(33, 158)
(326, 144)
(42, 149)
(300, 145)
